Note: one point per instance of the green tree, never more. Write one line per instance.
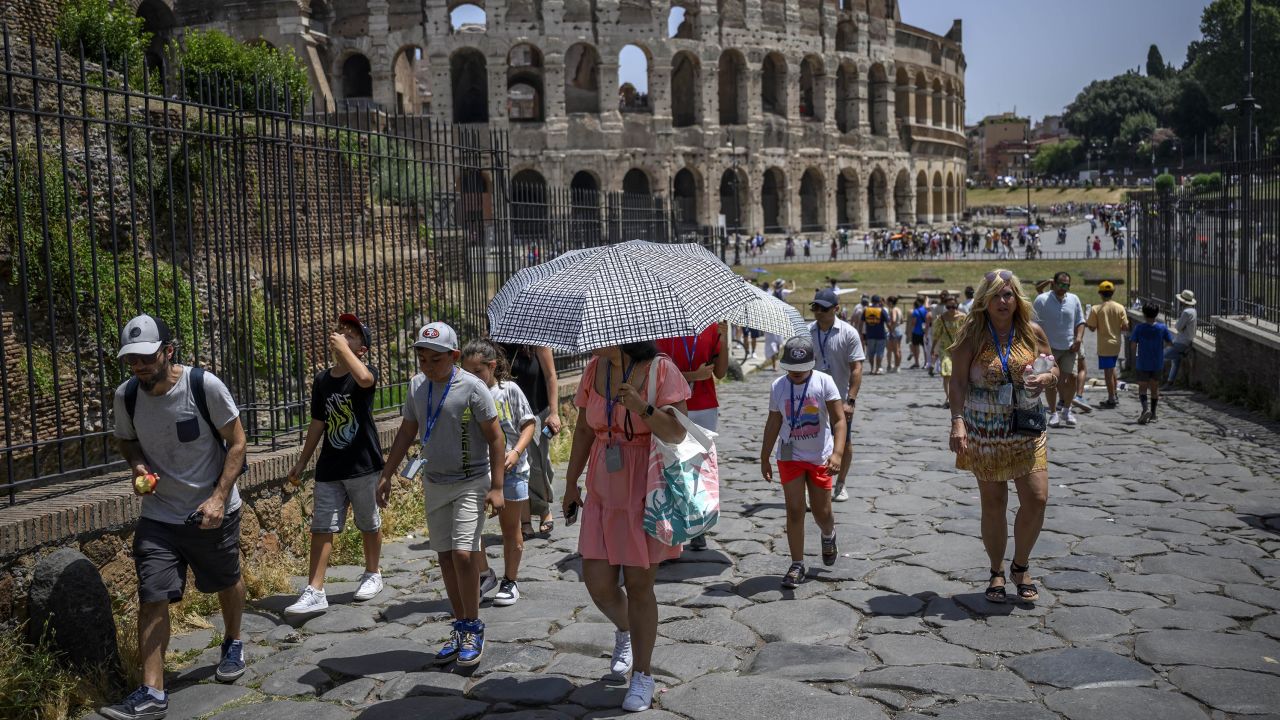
(1056, 159)
(1155, 63)
(251, 77)
(1217, 60)
(104, 28)
(1192, 114)
(1136, 128)
(1099, 109)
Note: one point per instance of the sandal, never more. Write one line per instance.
(526, 530)
(1027, 592)
(547, 526)
(995, 593)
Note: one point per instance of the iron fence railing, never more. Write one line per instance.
(1219, 238)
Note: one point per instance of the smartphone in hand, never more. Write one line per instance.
(571, 514)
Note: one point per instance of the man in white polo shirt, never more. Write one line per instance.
(838, 351)
(1062, 318)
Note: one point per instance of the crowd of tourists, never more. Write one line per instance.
(477, 423)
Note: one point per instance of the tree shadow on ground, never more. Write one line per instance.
(441, 607)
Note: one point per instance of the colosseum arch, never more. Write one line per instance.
(686, 90)
(682, 20)
(733, 194)
(157, 19)
(848, 198)
(878, 198)
(629, 98)
(878, 100)
(734, 85)
(813, 200)
(813, 88)
(685, 190)
(732, 13)
(939, 201)
(936, 117)
(584, 202)
(951, 196)
(582, 79)
(847, 105)
(846, 36)
(468, 17)
(902, 96)
(773, 14)
(773, 84)
(922, 99)
(922, 196)
(357, 78)
(902, 208)
(636, 182)
(404, 77)
(949, 104)
(469, 86)
(773, 200)
(530, 211)
(526, 91)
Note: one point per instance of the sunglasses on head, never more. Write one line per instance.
(1005, 275)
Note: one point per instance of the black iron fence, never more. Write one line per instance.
(1218, 237)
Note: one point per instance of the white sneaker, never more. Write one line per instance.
(621, 662)
(370, 585)
(311, 601)
(1068, 419)
(1055, 419)
(841, 496)
(640, 694)
(508, 593)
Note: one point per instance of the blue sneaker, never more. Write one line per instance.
(232, 665)
(140, 705)
(472, 644)
(449, 650)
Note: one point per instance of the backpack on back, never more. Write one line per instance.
(197, 394)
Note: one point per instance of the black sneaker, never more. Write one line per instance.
(829, 550)
(698, 542)
(795, 576)
(140, 705)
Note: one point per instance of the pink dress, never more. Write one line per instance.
(613, 514)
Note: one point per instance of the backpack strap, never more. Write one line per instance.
(131, 396)
(202, 405)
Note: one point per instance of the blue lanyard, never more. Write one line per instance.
(793, 407)
(609, 403)
(822, 345)
(433, 417)
(689, 353)
(1003, 354)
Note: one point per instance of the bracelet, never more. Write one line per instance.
(957, 416)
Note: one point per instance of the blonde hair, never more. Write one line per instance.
(974, 330)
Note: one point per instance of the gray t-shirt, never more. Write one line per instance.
(456, 450)
(514, 412)
(1185, 327)
(834, 350)
(178, 445)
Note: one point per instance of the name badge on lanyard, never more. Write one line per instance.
(613, 453)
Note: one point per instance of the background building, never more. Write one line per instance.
(777, 116)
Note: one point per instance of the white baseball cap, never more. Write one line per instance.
(437, 336)
(143, 335)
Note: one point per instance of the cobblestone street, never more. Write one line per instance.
(1158, 569)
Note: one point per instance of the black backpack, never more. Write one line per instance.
(196, 379)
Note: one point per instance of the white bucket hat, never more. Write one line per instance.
(1186, 297)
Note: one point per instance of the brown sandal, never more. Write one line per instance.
(996, 593)
(1027, 592)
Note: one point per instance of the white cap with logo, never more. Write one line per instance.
(437, 336)
(143, 335)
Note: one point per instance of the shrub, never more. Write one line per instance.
(104, 27)
(221, 71)
(33, 683)
(1206, 182)
(1165, 183)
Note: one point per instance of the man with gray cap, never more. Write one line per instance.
(839, 354)
(180, 432)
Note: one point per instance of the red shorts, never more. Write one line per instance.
(790, 470)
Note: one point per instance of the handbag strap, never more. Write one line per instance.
(652, 390)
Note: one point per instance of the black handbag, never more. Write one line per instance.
(1026, 421)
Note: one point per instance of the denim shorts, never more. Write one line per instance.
(329, 507)
(515, 486)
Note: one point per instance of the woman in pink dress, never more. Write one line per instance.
(611, 442)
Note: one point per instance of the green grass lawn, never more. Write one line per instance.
(1042, 197)
(885, 277)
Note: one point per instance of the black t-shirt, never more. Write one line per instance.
(526, 371)
(350, 448)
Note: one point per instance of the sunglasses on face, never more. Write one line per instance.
(136, 359)
(1063, 284)
(1006, 296)
(1005, 275)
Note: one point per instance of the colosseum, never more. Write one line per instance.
(766, 116)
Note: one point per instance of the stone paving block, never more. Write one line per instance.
(999, 640)
(1112, 600)
(585, 638)
(1137, 704)
(340, 619)
(711, 631)
(1216, 604)
(948, 680)
(1199, 567)
(878, 602)
(808, 663)
(351, 694)
(918, 650)
(1240, 651)
(413, 684)
(1160, 583)
(1233, 691)
(1165, 618)
(436, 708)
(513, 658)
(1080, 624)
(1081, 668)
(706, 699)
(799, 620)
(201, 699)
(995, 711)
(291, 710)
(521, 688)
(1075, 581)
(296, 680)
(908, 580)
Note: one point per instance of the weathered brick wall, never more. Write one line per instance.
(35, 18)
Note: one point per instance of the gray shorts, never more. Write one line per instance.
(329, 509)
(1066, 360)
(875, 347)
(455, 514)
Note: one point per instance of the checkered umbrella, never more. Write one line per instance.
(770, 314)
(616, 294)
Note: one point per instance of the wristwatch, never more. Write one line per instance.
(648, 411)
(852, 401)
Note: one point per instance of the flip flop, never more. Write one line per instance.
(547, 526)
(526, 530)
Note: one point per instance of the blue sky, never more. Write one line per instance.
(1034, 55)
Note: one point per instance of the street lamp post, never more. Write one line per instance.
(1026, 180)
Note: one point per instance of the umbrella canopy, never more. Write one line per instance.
(616, 294)
(770, 314)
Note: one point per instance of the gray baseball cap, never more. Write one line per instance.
(143, 335)
(437, 336)
(797, 354)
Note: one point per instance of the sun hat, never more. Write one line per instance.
(1186, 297)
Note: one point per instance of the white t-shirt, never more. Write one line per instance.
(834, 350)
(1185, 327)
(514, 413)
(810, 434)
